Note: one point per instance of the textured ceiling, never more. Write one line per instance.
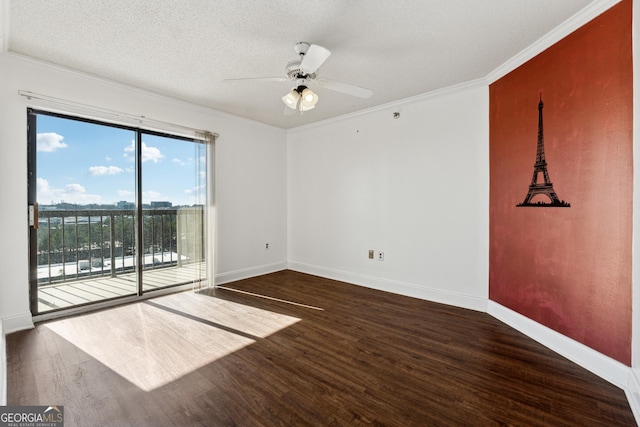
(186, 48)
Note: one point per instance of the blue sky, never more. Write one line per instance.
(83, 163)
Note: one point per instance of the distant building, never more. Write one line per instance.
(126, 205)
(159, 205)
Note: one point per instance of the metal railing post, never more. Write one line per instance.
(112, 243)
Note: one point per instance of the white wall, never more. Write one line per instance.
(250, 176)
(416, 187)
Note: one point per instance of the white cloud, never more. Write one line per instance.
(125, 193)
(105, 170)
(151, 153)
(131, 148)
(148, 153)
(75, 188)
(43, 186)
(179, 162)
(71, 193)
(49, 142)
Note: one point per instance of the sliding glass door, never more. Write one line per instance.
(115, 211)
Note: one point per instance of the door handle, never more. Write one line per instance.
(33, 216)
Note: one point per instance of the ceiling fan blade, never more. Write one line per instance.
(258, 79)
(314, 58)
(348, 89)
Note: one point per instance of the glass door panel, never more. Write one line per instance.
(173, 176)
(82, 249)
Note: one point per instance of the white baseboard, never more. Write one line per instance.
(17, 322)
(401, 288)
(605, 367)
(245, 273)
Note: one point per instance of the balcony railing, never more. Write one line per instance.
(76, 244)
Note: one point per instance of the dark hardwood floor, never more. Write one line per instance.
(304, 351)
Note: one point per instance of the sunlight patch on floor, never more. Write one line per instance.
(155, 342)
(286, 301)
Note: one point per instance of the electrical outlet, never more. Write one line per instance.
(371, 254)
(266, 245)
(380, 256)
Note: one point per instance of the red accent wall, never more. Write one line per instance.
(568, 268)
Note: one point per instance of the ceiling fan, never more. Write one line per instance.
(304, 70)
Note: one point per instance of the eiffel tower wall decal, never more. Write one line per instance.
(545, 187)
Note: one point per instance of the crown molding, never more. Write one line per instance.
(563, 30)
(449, 90)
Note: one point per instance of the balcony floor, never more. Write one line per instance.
(95, 289)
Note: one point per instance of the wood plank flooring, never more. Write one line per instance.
(290, 349)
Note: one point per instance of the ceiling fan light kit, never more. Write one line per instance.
(304, 70)
(301, 98)
(291, 99)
